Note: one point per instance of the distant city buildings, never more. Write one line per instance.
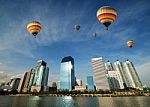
(125, 75)
(99, 71)
(121, 76)
(67, 74)
(105, 76)
(11, 86)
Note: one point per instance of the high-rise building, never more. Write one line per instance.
(14, 84)
(99, 71)
(32, 74)
(113, 80)
(26, 81)
(22, 82)
(67, 74)
(133, 78)
(40, 79)
(90, 83)
(109, 66)
(123, 82)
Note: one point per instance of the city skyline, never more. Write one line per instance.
(19, 50)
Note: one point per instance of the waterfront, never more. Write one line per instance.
(68, 101)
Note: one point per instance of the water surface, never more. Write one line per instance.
(67, 101)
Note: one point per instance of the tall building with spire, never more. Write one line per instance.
(99, 72)
(133, 78)
(67, 74)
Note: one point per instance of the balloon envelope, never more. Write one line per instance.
(130, 43)
(106, 15)
(94, 34)
(77, 27)
(34, 27)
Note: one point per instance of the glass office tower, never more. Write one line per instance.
(90, 83)
(67, 74)
(41, 74)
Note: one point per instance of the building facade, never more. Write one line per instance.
(113, 80)
(133, 78)
(14, 84)
(90, 83)
(40, 78)
(122, 77)
(67, 74)
(109, 66)
(99, 72)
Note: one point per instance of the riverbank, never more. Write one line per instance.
(86, 95)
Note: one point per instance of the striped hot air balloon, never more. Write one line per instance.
(106, 15)
(34, 27)
(130, 43)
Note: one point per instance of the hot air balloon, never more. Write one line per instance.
(34, 27)
(94, 34)
(130, 43)
(106, 15)
(77, 27)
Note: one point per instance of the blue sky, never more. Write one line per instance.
(19, 51)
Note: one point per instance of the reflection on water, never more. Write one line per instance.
(68, 101)
(124, 101)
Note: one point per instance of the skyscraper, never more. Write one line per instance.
(26, 81)
(14, 84)
(133, 78)
(40, 79)
(90, 83)
(121, 74)
(67, 73)
(99, 71)
(113, 80)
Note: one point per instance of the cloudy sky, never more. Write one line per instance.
(19, 51)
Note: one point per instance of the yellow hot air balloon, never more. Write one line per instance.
(130, 43)
(34, 27)
(106, 15)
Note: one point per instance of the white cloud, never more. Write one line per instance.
(144, 73)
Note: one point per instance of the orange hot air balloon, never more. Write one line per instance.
(130, 43)
(106, 15)
(34, 27)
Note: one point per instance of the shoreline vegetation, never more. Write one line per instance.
(80, 93)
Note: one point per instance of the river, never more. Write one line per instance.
(67, 101)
